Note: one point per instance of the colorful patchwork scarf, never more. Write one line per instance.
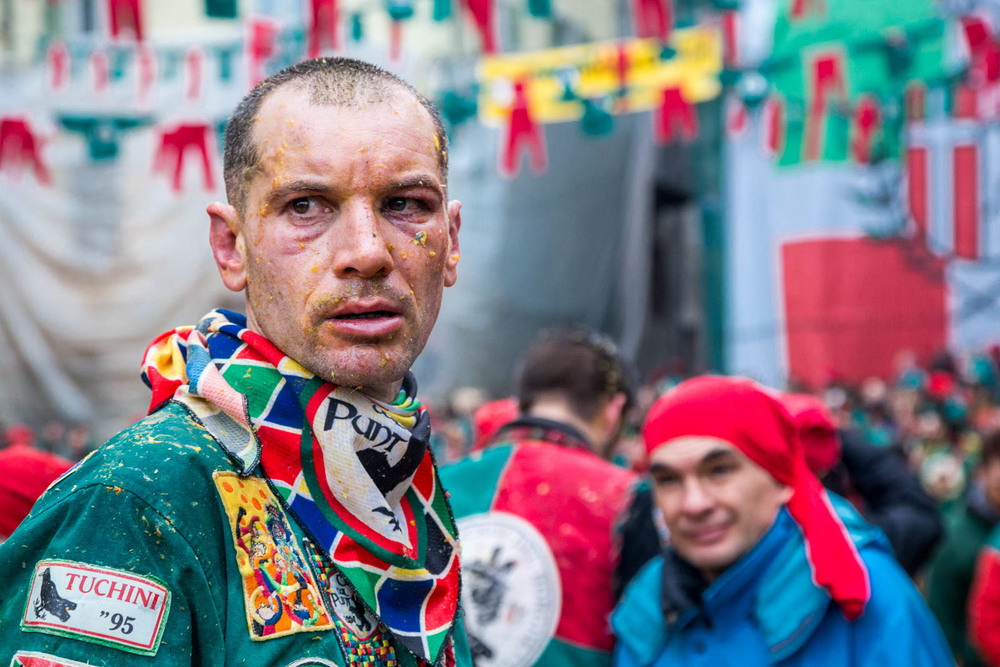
(355, 473)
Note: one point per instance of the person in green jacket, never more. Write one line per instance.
(280, 504)
(967, 526)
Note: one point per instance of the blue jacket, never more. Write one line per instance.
(765, 610)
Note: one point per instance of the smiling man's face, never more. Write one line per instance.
(716, 502)
(347, 240)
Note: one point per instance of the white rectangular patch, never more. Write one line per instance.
(97, 604)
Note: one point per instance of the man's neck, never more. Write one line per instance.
(560, 412)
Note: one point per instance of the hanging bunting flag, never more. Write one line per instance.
(220, 9)
(99, 71)
(773, 116)
(482, 13)
(597, 120)
(737, 117)
(125, 15)
(103, 133)
(867, 123)
(261, 47)
(20, 148)
(399, 10)
(522, 133)
(828, 88)
(322, 27)
(193, 68)
(145, 73)
(802, 9)
(395, 40)
(175, 144)
(540, 8)
(442, 10)
(675, 112)
(621, 73)
(730, 38)
(653, 18)
(984, 52)
(59, 65)
(357, 27)
(628, 72)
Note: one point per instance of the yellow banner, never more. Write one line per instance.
(594, 71)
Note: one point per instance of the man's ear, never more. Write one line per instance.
(228, 247)
(454, 251)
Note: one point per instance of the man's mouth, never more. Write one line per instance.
(372, 315)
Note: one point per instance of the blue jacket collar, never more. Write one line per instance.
(786, 605)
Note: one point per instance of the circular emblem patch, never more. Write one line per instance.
(510, 589)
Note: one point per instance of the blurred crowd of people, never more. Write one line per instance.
(917, 455)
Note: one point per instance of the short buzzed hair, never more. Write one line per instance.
(342, 82)
(577, 363)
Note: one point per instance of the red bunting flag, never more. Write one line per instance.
(194, 66)
(807, 8)
(522, 133)
(100, 71)
(653, 18)
(867, 121)
(827, 85)
(125, 14)
(730, 38)
(58, 59)
(774, 126)
(675, 112)
(173, 146)
(322, 26)
(737, 117)
(984, 52)
(20, 147)
(482, 13)
(261, 47)
(146, 73)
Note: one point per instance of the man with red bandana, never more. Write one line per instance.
(280, 504)
(764, 566)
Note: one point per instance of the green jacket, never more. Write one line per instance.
(950, 576)
(133, 558)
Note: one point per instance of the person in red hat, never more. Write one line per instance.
(875, 480)
(764, 566)
(25, 473)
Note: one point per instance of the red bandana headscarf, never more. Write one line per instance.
(749, 417)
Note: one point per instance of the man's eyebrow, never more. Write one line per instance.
(290, 187)
(420, 180)
(717, 455)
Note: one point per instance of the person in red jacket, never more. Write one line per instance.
(25, 473)
(984, 602)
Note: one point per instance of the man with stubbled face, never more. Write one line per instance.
(346, 239)
(298, 422)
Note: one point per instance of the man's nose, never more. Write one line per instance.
(360, 248)
(697, 499)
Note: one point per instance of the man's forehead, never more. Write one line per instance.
(296, 100)
(691, 450)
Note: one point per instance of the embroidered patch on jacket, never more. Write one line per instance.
(280, 593)
(97, 604)
(32, 659)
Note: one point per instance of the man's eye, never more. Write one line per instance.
(665, 480)
(301, 206)
(721, 470)
(397, 204)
